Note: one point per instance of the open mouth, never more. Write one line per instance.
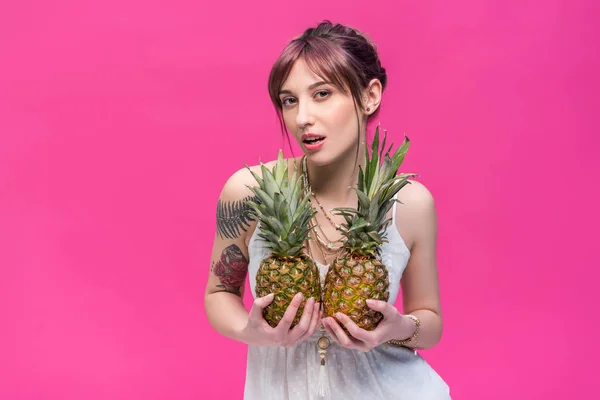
(313, 140)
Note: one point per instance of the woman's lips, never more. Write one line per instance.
(313, 146)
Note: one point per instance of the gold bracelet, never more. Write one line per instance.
(414, 336)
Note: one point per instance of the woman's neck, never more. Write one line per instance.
(333, 183)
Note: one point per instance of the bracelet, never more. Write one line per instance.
(414, 336)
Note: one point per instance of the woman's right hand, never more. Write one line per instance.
(258, 332)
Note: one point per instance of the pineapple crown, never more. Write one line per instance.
(283, 209)
(365, 226)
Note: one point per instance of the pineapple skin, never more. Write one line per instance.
(285, 277)
(359, 274)
(284, 212)
(349, 283)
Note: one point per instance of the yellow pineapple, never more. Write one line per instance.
(358, 274)
(283, 212)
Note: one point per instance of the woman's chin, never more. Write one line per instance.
(323, 158)
(320, 158)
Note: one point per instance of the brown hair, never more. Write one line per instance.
(337, 53)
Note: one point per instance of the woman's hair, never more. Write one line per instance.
(338, 54)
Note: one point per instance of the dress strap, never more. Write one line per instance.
(394, 208)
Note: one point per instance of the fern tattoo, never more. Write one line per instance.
(233, 217)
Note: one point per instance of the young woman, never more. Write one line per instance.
(326, 85)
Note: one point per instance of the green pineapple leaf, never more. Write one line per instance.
(366, 226)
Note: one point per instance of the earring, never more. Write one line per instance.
(368, 109)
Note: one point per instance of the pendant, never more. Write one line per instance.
(323, 344)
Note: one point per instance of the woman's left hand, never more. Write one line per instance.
(394, 325)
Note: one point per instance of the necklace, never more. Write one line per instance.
(325, 247)
(337, 226)
(326, 254)
(310, 192)
(327, 243)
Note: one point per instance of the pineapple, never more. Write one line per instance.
(284, 213)
(358, 274)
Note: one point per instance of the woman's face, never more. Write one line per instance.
(322, 119)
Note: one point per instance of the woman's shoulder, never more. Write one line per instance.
(416, 213)
(415, 194)
(234, 219)
(237, 185)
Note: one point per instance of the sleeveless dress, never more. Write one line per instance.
(385, 372)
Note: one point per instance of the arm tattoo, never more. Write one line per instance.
(231, 270)
(233, 216)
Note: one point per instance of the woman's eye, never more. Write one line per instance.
(323, 92)
(288, 101)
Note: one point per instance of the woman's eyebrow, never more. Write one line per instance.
(311, 87)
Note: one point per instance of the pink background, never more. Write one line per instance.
(121, 120)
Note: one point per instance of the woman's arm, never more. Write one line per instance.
(229, 268)
(229, 261)
(420, 287)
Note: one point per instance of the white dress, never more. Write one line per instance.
(385, 372)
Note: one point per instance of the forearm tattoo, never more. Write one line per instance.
(234, 216)
(231, 270)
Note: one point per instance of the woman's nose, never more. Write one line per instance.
(304, 116)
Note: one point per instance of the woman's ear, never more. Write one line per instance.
(371, 97)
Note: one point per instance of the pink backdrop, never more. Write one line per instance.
(121, 120)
